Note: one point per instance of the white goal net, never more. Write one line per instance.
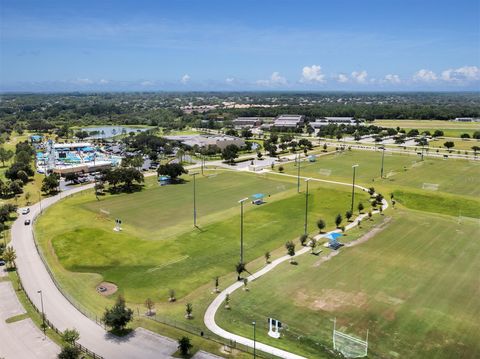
(430, 186)
(348, 345)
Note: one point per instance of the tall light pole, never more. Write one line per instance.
(241, 228)
(298, 173)
(383, 156)
(43, 313)
(306, 207)
(194, 199)
(353, 187)
(254, 339)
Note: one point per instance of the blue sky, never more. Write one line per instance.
(239, 45)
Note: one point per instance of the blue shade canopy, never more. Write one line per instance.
(164, 178)
(258, 196)
(333, 236)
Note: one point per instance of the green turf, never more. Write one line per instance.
(147, 262)
(414, 286)
(453, 176)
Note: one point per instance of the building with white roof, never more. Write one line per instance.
(289, 121)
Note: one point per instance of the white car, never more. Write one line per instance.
(26, 211)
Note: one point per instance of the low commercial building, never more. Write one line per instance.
(221, 141)
(246, 122)
(289, 121)
(334, 120)
(466, 119)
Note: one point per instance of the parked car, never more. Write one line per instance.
(2, 262)
(26, 211)
(27, 222)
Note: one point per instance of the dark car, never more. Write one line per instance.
(2, 262)
(27, 222)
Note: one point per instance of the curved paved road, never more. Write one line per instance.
(209, 317)
(140, 344)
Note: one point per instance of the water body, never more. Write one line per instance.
(110, 131)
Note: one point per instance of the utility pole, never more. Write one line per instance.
(241, 228)
(298, 174)
(194, 199)
(306, 207)
(353, 187)
(383, 156)
(254, 339)
(43, 315)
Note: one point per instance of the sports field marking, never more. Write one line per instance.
(391, 174)
(430, 186)
(417, 164)
(151, 270)
(281, 187)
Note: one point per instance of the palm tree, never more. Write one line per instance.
(184, 346)
(313, 244)
(240, 268)
(227, 301)
(9, 255)
(267, 257)
(171, 296)
(290, 246)
(321, 225)
(360, 208)
(188, 311)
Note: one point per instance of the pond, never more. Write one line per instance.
(110, 131)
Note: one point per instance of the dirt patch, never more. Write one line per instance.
(332, 300)
(106, 288)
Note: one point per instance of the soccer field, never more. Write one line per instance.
(453, 176)
(159, 249)
(414, 286)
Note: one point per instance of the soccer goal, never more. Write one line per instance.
(348, 345)
(430, 186)
(324, 172)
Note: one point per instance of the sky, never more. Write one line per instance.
(179, 45)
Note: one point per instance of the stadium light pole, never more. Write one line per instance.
(194, 199)
(306, 206)
(298, 173)
(383, 156)
(353, 187)
(241, 228)
(254, 339)
(43, 313)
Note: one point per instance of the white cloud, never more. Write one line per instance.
(147, 83)
(313, 74)
(185, 78)
(103, 82)
(275, 80)
(465, 73)
(83, 81)
(425, 76)
(230, 80)
(360, 76)
(393, 79)
(342, 78)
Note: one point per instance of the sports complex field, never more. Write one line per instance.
(394, 283)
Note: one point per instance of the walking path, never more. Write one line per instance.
(209, 318)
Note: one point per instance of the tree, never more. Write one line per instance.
(240, 268)
(338, 220)
(173, 170)
(360, 208)
(69, 352)
(324, 147)
(184, 346)
(229, 153)
(313, 244)
(303, 239)
(118, 316)
(22, 176)
(259, 155)
(216, 290)
(5, 155)
(321, 225)
(227, 301)
(82, 135)
(290, 246)
(171, 296)
(370, 215)
(149, 304)
(247, 133)
(464, 135)
(188, 310)
(348, 215)
(267, 256)
(15, 187)
(475, 149)
(371, 191)
(9, 255)
(245, 284)
(449, 145)
(70, 336)
(437, 133)
(50, 183)
(281, 169)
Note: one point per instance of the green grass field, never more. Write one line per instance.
(453, 129)
(159, 249)
(414, 285)
(458, 177)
